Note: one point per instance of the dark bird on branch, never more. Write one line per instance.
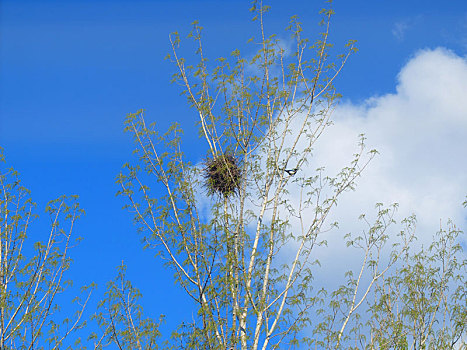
(291, 172)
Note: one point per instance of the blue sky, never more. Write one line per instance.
(71, 70)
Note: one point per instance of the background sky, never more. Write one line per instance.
(71, 70)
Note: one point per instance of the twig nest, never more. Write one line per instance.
(222, 175)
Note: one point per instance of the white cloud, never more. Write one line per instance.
(421, 134)
(401, 27)
(399, 30)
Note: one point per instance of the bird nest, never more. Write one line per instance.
(222, 175)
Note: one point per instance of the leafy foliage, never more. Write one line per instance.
(29, 286)
(248, 261)
(120, 318)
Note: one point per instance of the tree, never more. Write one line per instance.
(29, 314)
(120, 318)
(422, 303)
(248, 261)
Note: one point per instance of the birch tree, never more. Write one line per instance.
(239, 228)
(229, 261)
(120, 318)
(406, 298)
(31, 278)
